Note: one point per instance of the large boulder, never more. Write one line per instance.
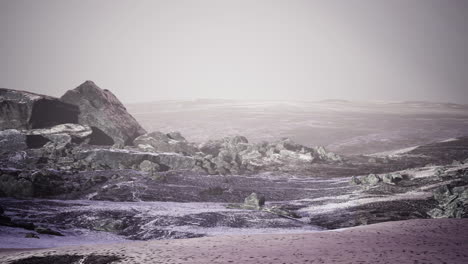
(254, 202)
(25, 110)
(105, 114)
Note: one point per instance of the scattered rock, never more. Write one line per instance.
(31, 235)
(453, 201)
(104, 113)
(235, 155)
(370, 179)
(254, 202)
(392, 178)
(355, 181)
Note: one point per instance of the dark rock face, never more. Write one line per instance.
(103, 112)
(25, 110)
(95, 159)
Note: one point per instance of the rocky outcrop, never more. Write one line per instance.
(160, 142)
(254, 202)
(374, 179)
(25, 110)
(115, 159)
(105, 114)
(61, 135)
(235, 155)
(452, 201)
(12, 140)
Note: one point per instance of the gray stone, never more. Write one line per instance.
(175, 135)
(149, 167)
(12, 140)
(160, 142)
(254, 201)
(104, 113)
(25, 110)
(453, 202)
(370, 179)
(354, 180)
(31, 235)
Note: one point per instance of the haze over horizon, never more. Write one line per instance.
(264, 50)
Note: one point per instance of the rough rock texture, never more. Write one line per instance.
(235, 155)
(25, 110)
(254, 201)
(95, 159)
(452, 199)
(60, 134)
(105, 114)
(160, 142)
(392, 178)
(12, 140)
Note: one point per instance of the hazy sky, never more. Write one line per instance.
(306, 50)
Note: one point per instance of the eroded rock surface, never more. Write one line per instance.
(25, 110)
(105, 114)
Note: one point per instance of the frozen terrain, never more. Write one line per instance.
(341, 126)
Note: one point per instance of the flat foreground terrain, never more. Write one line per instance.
(412, 241)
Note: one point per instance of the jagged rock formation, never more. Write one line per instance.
(25, 110)
(452, 200)
(373, 179)
(236, 155)
(160, 142)
(115, 159)
(105, 114)
(55, 140)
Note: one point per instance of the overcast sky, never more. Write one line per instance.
(291, 50)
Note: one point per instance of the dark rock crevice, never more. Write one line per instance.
(46, 113)
(36, 141)
(98, 137)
